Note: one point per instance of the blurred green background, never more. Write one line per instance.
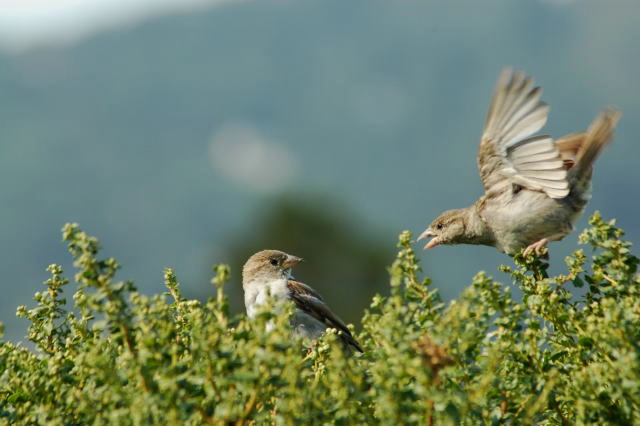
(323, 128)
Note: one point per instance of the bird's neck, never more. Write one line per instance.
(476, 229)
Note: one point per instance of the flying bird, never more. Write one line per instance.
(535, 187)
(268, 272)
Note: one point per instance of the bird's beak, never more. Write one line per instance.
(291, 261)
(428, 233)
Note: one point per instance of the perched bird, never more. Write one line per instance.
(268, 272)
(535, 187)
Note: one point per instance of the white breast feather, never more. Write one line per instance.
(256, 294)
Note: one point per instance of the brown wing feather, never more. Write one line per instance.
(296, 287)
(508, 153)
(310, 302)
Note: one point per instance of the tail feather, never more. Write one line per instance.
(569, 145)
(594, 141)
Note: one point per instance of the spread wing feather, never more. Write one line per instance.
(507, 149)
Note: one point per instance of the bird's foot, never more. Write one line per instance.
(537, 247)
(311, 349)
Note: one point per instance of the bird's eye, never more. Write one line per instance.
(274, 262)
(439, 226)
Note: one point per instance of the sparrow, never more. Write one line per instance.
(535, 188)
(268, 273)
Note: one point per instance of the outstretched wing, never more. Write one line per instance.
(310, 302)
(508, 153)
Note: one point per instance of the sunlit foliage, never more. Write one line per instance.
(567, 353)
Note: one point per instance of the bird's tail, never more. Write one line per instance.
(585, 147)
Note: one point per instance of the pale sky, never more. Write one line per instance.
(26, 24)
(31, 23)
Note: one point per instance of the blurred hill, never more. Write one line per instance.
(168, 139)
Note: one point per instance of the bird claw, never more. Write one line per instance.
(311, 349)
(537, 247)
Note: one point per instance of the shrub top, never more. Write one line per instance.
(558, 356)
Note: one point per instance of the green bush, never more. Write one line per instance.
(559, 356)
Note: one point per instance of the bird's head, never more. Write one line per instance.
(269, 265)
(448, 228)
